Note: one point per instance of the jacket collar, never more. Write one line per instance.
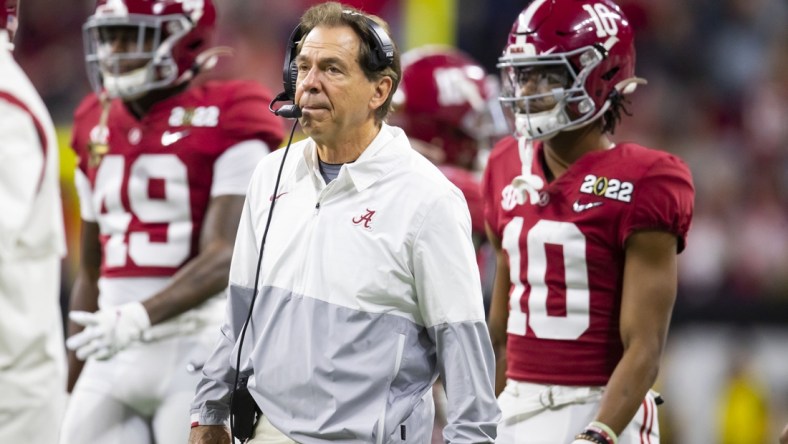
(377, 159)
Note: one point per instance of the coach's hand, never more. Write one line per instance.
(107, 331)
(210, 434)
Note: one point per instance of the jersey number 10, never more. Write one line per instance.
(543, 325)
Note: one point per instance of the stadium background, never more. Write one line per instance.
(717, 96)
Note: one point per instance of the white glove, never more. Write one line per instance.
(108, 331)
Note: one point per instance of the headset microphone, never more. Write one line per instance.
(286, 111)
(289, 112)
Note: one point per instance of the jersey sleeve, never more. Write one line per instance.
(252, 131)
(663, 200)
(80, 134)
(80, 139)
(233, 169)
(247, 116)
(490, 198)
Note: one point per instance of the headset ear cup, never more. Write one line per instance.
(290, 86)
(289, 69)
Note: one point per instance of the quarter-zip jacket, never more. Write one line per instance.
(368, 290)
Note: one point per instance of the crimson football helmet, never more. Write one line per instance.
(583, 54)
(445, 99)
(135, 46)
(8, 17)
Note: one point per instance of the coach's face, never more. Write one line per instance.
(336, 98)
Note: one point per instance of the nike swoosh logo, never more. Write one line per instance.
(579, 208)
(272, 198)
(170, 137)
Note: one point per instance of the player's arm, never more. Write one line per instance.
(206, 274)
(211, 404)
(649, 292)
(84, 293)
(109, 331)
(499, 311)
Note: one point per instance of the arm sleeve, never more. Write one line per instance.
(21, 166)
(450, 300)
(233, 169)
(211, 404)
(663, 200)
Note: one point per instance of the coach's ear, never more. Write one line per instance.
(381, 93)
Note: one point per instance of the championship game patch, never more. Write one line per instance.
(610, 188)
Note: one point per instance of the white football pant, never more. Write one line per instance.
(266, 433)
(142, 395)
(545, 414)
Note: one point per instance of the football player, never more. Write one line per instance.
(163, 168)
(32, 242)
(587, 232)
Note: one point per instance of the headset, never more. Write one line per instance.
(381, 55)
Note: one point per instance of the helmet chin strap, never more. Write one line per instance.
(119, 85)
(527, 182)
(545, 124)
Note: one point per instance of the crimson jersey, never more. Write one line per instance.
(566, 254)
(149, 193)
(471, 190)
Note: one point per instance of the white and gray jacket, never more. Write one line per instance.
(369, 289)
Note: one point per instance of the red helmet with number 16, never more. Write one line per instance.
(8, 17)
(135, 46)
(584, 49)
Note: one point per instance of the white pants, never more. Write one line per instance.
(141, 395)
(266, 433)
(419, 433)
(544, 414)
(32, 356)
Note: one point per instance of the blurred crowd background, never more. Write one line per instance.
(717, 96)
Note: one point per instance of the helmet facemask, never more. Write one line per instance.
(127, 56)
(557, 99)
